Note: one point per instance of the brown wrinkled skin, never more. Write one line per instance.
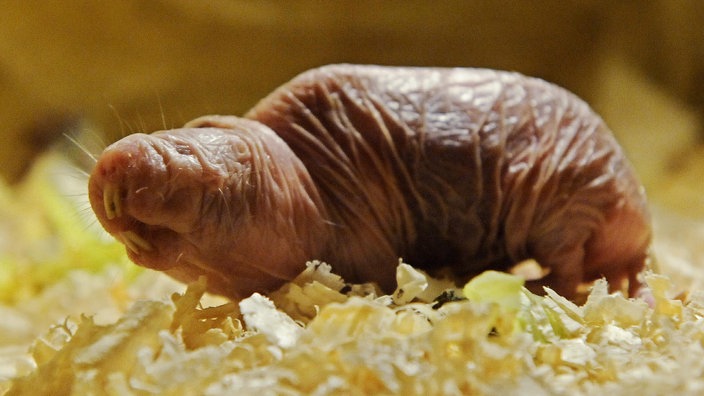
(469, 169)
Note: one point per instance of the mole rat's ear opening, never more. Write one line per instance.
(215, 121)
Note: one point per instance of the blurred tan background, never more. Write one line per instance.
(132, 65)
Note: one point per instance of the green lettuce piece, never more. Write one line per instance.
(496, 287)
(503, 290)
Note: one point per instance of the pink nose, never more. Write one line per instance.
(123, 172)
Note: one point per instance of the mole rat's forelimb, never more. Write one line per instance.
(360, 165)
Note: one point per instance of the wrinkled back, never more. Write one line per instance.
(465, 167)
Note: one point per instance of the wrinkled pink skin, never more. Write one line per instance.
(359, 165)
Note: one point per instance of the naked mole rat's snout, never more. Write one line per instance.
(106, 186)
(132, 187)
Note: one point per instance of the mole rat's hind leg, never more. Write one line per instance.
(565, 271)
(624, 276)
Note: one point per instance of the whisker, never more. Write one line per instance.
(73, 172)
(76, 195)
(92, 132)
(93, 224)
(89, 222)
(161, 111)
(125, 127)
(81, 147)
(142, 122)
(228, 213)
(86, 214)
(81, 174)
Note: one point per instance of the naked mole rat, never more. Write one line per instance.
(469, 169)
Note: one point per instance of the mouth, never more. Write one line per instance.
(150, 246)
(120, 225)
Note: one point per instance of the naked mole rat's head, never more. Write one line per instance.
(201, 201)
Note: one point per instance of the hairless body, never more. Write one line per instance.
(358, 166)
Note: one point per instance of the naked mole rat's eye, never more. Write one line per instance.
(241, 149)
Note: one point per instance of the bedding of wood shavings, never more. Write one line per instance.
(319, 336)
